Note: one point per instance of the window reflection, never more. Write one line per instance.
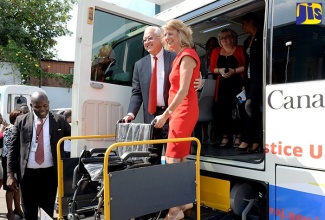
(117, 45)
(298, 52)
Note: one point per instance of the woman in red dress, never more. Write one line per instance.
(183, 109)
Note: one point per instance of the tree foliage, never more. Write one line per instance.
(28, 29)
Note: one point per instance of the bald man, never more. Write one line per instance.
(32, 158)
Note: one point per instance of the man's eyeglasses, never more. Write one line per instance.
(150, 38)
(225, 37)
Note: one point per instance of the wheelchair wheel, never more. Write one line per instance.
(98, 216)
(73, 217)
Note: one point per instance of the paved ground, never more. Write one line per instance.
(3, 206)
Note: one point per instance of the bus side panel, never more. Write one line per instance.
(298, 194)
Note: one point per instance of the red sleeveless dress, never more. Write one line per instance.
(185, 116)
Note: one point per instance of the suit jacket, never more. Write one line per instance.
(141, 84)
(20, 145)
(255, 60)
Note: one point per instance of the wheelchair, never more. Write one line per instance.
(90, 167)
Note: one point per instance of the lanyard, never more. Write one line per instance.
(41, 130)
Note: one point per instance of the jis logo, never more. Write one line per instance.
(309, 13)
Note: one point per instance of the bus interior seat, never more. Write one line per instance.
(206, 98)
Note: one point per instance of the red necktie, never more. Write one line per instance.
(152, 104)
(39, 154)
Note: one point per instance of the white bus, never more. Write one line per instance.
(14, 96)
(287, 179)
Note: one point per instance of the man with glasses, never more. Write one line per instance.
(159, 61)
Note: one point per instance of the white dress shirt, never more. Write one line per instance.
(48, 158)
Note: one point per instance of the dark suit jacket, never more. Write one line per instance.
(19, 148)
(255, 60)
(141, 83)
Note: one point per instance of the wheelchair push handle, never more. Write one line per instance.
(153, 122)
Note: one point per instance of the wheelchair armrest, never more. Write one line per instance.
(92, 160)
(100, 151)
(131, 154)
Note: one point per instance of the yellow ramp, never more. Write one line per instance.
(215, 193)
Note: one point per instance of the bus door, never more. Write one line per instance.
(109, 43)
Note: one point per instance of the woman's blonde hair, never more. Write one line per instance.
(184, 32)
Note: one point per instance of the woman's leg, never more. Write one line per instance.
(175, 213)
(18, 209)
(9, 200)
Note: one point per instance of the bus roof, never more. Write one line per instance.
(20, 89)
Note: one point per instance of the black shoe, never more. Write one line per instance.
(256, 148)
(224, 142)
(246, 148)
(237, 142)
(21, 215)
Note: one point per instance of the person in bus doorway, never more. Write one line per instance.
(211, 43)
(11, 196)
(253, 47)
(141, 85)
(228, 62)
(32, 157)
(67, 143)
(183, 110)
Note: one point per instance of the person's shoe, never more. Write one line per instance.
(19, 213)
(237, 142)
(224, 142)
(187, 209)
(10, 216)
(175, 213)
(243, 146)
(256, 148)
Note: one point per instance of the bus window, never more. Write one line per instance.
(19, 101)
(116, 47)
(297, 57)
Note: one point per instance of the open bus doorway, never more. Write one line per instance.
(202, 31)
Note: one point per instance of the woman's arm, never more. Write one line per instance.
(213, 62)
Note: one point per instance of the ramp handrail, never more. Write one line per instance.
(159, 141)
(60, 165)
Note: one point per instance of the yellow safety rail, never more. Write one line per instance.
(107, 214)
(60, 165)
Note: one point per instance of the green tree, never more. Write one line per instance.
(28, 29)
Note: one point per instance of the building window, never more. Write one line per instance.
(71, 70)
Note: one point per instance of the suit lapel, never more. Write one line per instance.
(30, 124)
(51, 124)
(147, 63)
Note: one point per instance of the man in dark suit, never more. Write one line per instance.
(141, 83)
(32, 156)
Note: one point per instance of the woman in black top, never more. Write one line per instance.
(253, 47)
